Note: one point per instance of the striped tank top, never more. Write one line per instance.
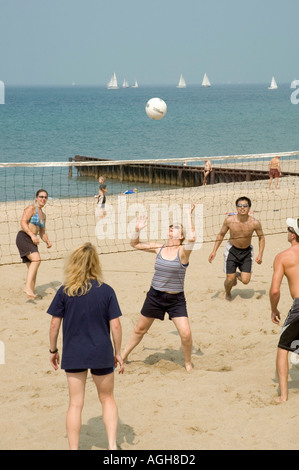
(169, 275)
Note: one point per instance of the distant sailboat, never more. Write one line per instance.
(135, 84)
(273, 85)
(112, 84)
(206, 81)
(125, 84)
(182, 83)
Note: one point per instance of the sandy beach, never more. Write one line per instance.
(226, 402)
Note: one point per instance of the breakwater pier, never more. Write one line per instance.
(166, 173)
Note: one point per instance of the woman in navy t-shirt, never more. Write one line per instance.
(89, 310)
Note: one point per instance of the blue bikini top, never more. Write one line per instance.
(35, 220)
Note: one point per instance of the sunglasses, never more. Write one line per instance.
(175, 226)
(242, 205)
(43, 197)
(291, 230)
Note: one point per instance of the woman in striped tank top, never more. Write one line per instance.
(166, 293)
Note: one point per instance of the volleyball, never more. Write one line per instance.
(156, 108)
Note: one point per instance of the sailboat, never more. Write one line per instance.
(206, 81)
(112, 84)
(135, 84)
(273, 85)
(125, 84)
(182, 83)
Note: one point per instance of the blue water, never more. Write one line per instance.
(43, 124)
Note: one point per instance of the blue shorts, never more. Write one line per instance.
(157, 303)
(107, 370)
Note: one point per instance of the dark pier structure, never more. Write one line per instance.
(165, 173)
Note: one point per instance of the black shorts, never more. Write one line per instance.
(237, 258)
(25, 246)
(289, 338)
(157, 303)
(107, 370)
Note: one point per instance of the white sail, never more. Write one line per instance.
(273, 84)
(135, 84)
(112, 84)
(125, 84)
(206, 81)
(182, 83)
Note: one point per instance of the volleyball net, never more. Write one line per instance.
(163, 190)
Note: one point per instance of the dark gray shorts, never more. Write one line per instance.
(289, 338)
(237, 258)
(25, 246)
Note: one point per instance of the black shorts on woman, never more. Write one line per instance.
(104, 371)
(157, 303)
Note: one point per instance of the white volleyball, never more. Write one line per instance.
(156, 108)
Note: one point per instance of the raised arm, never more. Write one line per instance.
(145, 246)
(188, 246)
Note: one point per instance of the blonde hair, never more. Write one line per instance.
(82, 266)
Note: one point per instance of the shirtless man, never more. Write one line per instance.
(206, 171)
(238, 252)
(274, 171)
(286, 264)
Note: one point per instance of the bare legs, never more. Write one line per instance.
(183, 327)
(76, 384)
(143, 325)
(205, 177)
(282, 367)
(31, 274)
(105, 387)
(231, 280)
(270, 183)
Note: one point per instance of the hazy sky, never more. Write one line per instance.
(57, 42)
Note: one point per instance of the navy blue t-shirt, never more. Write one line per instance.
(86, 329)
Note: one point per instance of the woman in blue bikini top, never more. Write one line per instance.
(33, 223)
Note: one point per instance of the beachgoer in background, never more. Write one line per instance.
(33, 223)
(206, 171)
(101, 196)
(89, 309)
(274, 171)
(238, 252)
(131, 191)
(166, 293)
(286, 264)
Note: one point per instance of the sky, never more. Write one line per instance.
(60, 42)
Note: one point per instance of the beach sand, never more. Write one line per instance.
(225, 402)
